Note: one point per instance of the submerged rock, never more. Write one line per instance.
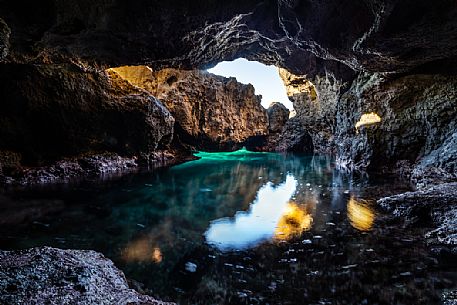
(54, 276)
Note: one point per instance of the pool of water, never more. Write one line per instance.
(239, 228)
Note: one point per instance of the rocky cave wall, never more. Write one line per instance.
(211, 112)
(339, 56)
(50, 111)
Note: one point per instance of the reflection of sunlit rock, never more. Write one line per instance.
(156, 255)
(293, 222)
(256, 225)
(368, 119)
(142, 250)
(360, 214)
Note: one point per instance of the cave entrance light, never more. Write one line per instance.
(265, 79)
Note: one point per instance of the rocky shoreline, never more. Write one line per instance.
(54, 276)
(91, 166)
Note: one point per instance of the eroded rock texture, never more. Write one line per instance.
(345, 57)
(51, 111)
(315, 102)
(434, 208)
(374, 35)
(417, 112)
(53, 276)
(278, 115)
(211, 112)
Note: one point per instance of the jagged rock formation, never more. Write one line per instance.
(53, 276)
(278, 115)
(5, 33)
(434, 207)
(374, 35)
(340, 48)
(439, 166)
(50, 112)
(418, 113)
(294, 138)
(211, 112)
(315, 102)
(333, 46)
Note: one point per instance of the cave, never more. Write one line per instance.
(134, 169)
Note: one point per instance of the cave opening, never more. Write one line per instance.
(297, 152)
(265, 79)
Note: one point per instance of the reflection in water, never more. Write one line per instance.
(294, 221)
(360, 214)
(257, 224)
(156, 228)
(142, 250)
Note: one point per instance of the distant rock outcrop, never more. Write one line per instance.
(211, 112)
(278, 115)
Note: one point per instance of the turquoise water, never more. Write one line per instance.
(238, 228)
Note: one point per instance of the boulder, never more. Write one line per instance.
(54, 276)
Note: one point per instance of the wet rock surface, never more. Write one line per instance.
(434, 208)
(53, 276)
(211, 112)
(5, 33)
(439, 166)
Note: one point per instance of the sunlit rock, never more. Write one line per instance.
(55, 111)
(212, 112)
(315, 100)
(278, 115)
(360, 214)
(368, 119)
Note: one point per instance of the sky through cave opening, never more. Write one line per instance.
(264, 78)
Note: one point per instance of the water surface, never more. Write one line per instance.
(239, 228)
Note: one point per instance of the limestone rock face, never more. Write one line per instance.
(211, 112)
(278, 115)
(53, 111)
(315, 102)
(417, 114)
(295, 138)
(53, 276)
